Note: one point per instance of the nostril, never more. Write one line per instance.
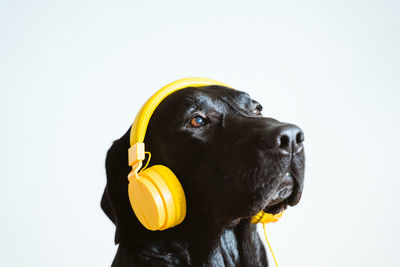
(288, 138)
(299, 138)
(285, 141)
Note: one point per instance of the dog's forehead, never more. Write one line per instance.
(216, 97)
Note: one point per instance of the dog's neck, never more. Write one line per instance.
(230, 246)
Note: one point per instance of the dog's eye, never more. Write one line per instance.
(197, 121)
(257, 110)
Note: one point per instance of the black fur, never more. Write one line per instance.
(230, 169)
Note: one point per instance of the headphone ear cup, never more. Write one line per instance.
(147, 203)
(157, 198)
(175, 190)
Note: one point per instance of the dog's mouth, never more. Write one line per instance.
(283, 196)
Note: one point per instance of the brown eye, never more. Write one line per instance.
(257, 110)
(197, 121)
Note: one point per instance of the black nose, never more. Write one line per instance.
(288, 138)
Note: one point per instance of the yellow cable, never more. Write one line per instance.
(148, 160)
(270, 249)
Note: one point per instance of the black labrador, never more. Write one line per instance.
(231, 161)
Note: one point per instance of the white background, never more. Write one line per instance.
(74, 73)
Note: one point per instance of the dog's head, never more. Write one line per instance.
(232, 161)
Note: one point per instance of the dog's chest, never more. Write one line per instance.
(226, 251)
(239, 247)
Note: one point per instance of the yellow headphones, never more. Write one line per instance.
(155, 193)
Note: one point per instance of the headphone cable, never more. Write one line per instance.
(148, 160)
(270, 249)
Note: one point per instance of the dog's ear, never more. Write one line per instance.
(115, 202)
(107, 206)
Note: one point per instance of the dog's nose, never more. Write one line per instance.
(288, 138)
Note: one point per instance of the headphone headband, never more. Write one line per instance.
(139, 126)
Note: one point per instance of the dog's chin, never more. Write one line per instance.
(283, 196)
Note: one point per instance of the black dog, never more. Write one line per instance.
(231, 161)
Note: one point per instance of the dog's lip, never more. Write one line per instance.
(277, 208)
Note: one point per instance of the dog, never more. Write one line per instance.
(232, 163)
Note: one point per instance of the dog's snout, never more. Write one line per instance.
(288, 138)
